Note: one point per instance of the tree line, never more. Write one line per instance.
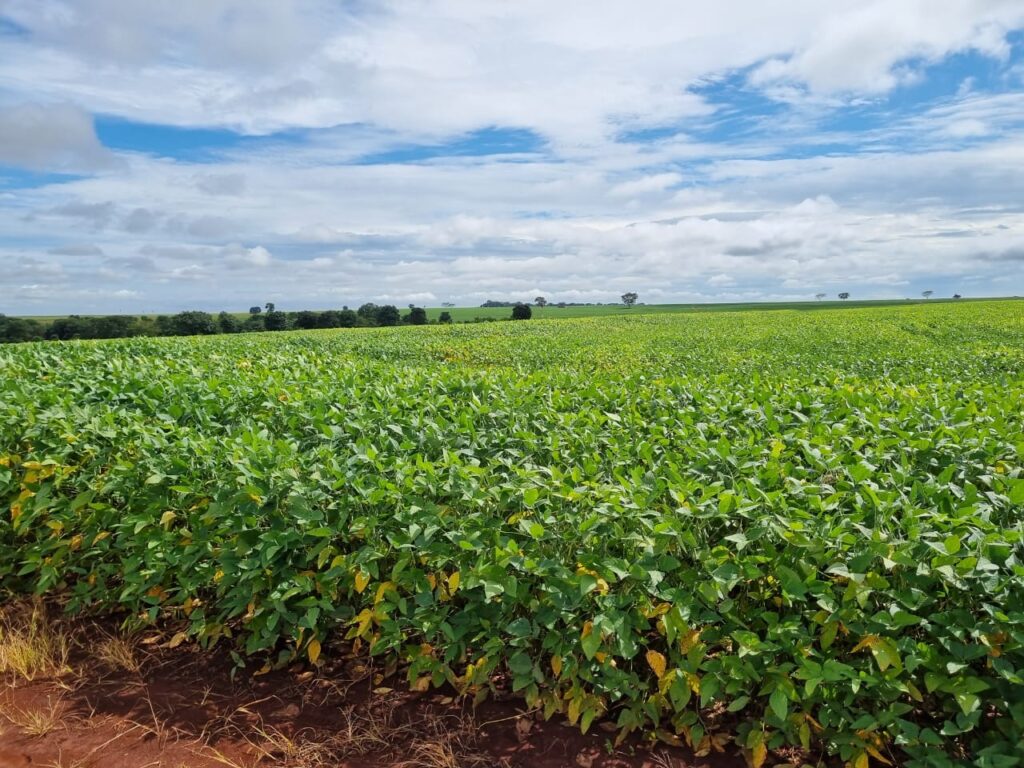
(195, 323)
(260, 318)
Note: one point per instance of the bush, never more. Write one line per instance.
(228, 323)
(522, 312)
(192, 324)
(275, 321)
(416, 316)
(388, 315)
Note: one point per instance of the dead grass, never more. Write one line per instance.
(118, 652)
(375, 728)
(304, 750)
(32, 646)
(36, 722)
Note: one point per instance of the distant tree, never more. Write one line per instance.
(927, 294)
(820, 296)
(114, 327)
(255, 322)
(560, 305)
(255, 310)
(629, 299)
(447, 304)
(957, 296)
(73, 327)
(844, 295)
(368, 313)
(192, 324)
(307, 319)
(445, 317)
(228, 323)
(269, 306)
(541, 302)
(416, 316)
(330, 318)
(521, 312)
(274, 320)
(18, 329)
(388, 315)
(347, 318)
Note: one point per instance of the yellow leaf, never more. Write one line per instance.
(422, 684)
(574, 710)
(556, 665)
(588, 627)
(167, 518)
(313, 650)
(688, 640)
(656, 661)
(862, 760)
(453, 582)
(758, 755)
(361, 581)
(382, 590)
(694, 682)
(363, 620)
(177, 640)
(877, 755)
(432, 580)
(100, 537)
(868, 642)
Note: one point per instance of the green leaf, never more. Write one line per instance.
(779, 703)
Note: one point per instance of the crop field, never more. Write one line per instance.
(735, 530)
(552, 312)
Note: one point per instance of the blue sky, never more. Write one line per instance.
(159, 157)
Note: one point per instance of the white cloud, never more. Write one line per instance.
(53, 137)
(575, 71)
(930, 194)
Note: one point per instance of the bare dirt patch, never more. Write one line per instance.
(82, 694)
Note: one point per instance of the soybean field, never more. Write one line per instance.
(753, 531)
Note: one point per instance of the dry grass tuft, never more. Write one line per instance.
(32, 646)
(304, 750)
(36, 723)
(446, 742)
(118, 652)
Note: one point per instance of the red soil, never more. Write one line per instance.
(183, 708)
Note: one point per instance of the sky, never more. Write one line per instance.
(216, 154)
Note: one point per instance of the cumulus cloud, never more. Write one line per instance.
(648, 159)
(52, 137)
(574, 71)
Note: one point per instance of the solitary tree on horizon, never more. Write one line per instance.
(820, 296)
(521, 312)
(927, 294)
(541, 302)
(629, 299)
(844, 295)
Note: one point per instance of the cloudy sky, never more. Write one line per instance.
(159, 156)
